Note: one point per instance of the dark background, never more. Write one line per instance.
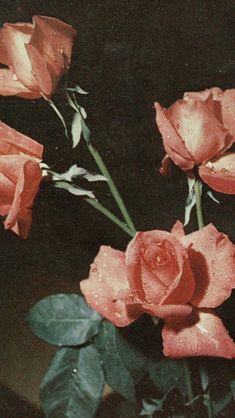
(128, 54)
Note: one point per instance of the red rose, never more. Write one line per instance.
(37, 55)
(20, 176)
(197, 131)
(175, 277)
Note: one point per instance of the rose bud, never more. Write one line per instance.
(37, 55)
(197, 131)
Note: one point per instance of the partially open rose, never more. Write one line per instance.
(37, 55)
(20, 176)
(172, 276)
(197, 131)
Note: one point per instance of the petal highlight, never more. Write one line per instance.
(200, 334)
(107, 289)
(220, 174)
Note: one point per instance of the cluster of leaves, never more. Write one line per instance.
(93, 352)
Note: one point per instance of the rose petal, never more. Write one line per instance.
(107, 289)
(200, 334)
(197, 125)
(13, 142)
(224, 106)
(212, 258)
(165, 169)
(53, 39)
(173, 143)
(178, 230)
(19, 218)
(14, 37)
(157, 266)
(3, 50)
(167, 311)
(40, 70)
(7, 191)
(9, 86)
(220, 173)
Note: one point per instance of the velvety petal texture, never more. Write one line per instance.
(173, 276)
(20, 177)
(107, 288)
(219, 174)
(158, 268)
(37, 55)
(212, 258)
(200, 334)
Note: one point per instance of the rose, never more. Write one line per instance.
(20, 176)
(175, 277)
(37, 55)
(197, 131)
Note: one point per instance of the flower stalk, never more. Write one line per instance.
(103, 169)
(111, 216)
(203, 372)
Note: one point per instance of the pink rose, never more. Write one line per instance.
(20, 176)
(197, 131)
(37, 55)
(172, 276)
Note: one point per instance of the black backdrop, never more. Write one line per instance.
(127, 55)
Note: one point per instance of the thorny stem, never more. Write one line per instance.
(203, 372)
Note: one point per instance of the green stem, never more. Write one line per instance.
(110, 216)
(188, 381)
(204, 376)
(198, 192)
(203, 372)
(100, 163)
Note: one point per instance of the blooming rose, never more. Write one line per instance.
(37, 55)
(172, 276)
(197, 131)
(20, 176)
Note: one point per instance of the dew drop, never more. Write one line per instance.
(75, 370)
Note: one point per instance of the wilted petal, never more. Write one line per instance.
(200, 334)
(19, 218)
(11, 86)
(173, 143)
(220, 173)
(199, 128)
(13, 142)
(212, 258)
(107, 289)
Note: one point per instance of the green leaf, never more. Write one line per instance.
(116, 372)
(78, 89)
(219, 404)
(232, 386)
(73, 384)
(166, 374)
(64, 319)
(76, 129)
